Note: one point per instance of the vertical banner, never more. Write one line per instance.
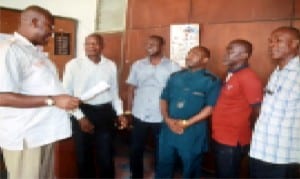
(182, 39)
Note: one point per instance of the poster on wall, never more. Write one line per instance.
(182, 38)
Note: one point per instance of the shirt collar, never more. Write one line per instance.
(22, 39)
(292, 65)
(18, 37)
(103, 60)
(163, 60)
(201, 70)
(238, 69)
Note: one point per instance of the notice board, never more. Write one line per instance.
(182, 38)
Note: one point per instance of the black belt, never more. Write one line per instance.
(97, 106)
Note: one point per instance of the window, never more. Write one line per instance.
(111, 15)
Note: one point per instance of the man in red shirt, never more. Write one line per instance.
(239, 99)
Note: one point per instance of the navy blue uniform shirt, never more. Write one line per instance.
(187, 93)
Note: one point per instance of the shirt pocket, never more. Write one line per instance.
(231, 89)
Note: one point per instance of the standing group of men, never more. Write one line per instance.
(173, 104)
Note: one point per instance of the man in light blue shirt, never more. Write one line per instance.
(147, 78)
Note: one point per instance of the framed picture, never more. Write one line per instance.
(111, 15)
(62, 43)
(182, 38)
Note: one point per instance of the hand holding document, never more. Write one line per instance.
(94, 91)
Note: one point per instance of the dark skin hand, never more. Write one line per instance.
(123, 123)
(88, 127)
(62, 101)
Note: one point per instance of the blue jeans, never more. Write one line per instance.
(96, 148)
(261, 169)
(139, 135)
(228, 159)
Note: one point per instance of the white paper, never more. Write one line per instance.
(94, 91)
(182, 38)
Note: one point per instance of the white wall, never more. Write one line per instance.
(84, 11)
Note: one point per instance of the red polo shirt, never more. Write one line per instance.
(231, 115)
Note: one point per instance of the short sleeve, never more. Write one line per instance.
(10, 69)
(165, 94)
(132, 77)
(252, 88)
(68, 77)
(213, 92)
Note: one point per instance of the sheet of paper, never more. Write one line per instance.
(94, 91)
(182, 38)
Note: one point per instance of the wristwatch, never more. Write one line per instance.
(50, 101)
(184, 122)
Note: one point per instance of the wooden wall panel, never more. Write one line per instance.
(297, 8)
(216, 11)
(113, 47)
(156, 13)
(65, 159)
(297, 24)
(64, 25)
(217, 36)
(8, 20)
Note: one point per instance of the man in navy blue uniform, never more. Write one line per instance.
(186, 102)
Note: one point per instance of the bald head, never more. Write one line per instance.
(284, 44)
(98, 37)
(35, 11)
(36, 24)
(202, 51)
(291, 31)
(197, 57)
(246, 45)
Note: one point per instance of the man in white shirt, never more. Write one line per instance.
(275, 146)
(94, 121)
(33, 103)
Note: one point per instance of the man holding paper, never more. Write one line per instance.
(93, 79)
(33, 103)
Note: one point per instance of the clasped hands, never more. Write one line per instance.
(177, 125)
